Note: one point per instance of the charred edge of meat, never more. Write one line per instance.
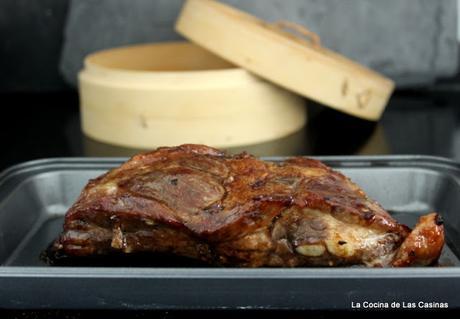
(439, 220)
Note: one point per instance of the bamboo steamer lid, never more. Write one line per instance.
(297, 63)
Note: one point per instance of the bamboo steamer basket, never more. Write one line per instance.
(150, 95)
(286, 54)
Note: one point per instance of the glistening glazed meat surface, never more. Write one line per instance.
(195, 201)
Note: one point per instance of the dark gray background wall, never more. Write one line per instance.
(44, 41)
(31, 39)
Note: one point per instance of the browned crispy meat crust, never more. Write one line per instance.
(194, 201)
(424, 243)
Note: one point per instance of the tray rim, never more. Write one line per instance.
(56, 163)
(356, 160)
(228, 273)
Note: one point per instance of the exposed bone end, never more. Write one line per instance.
(117, 238)
(340, 248)
(149, 222)
(314, 250)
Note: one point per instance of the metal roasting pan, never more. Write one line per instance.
(34, 197)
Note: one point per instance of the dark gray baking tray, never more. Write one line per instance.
(35, 195)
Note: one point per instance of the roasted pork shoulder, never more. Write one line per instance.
(195, 201)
